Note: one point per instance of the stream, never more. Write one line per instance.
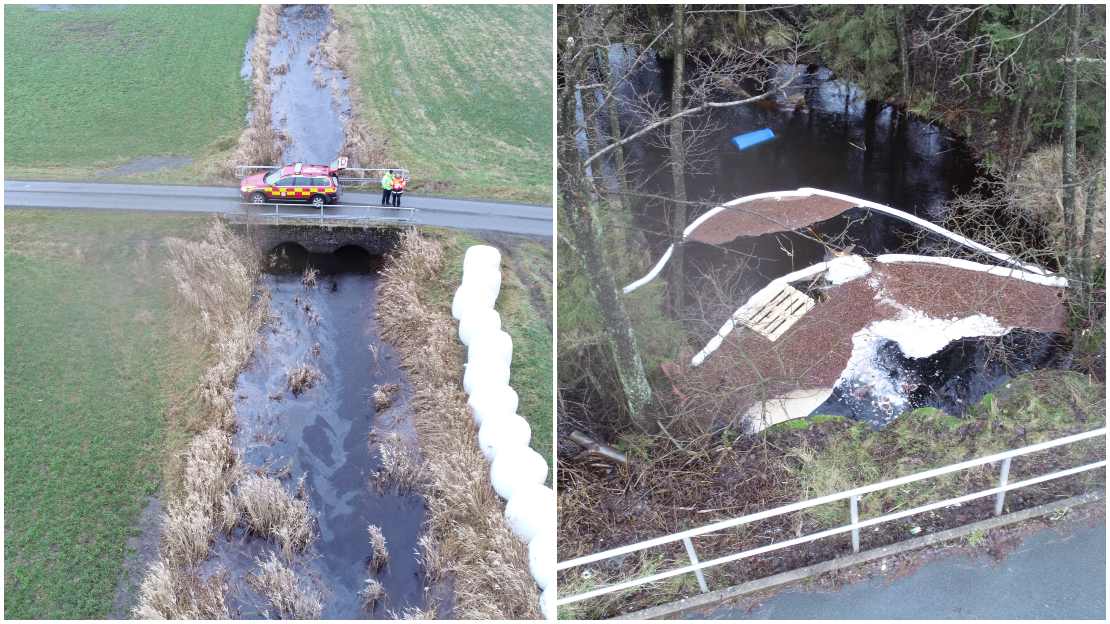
(827, 136)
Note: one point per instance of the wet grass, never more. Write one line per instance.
(462, 94)
(90, 90)
(94, 373)
(711, 479)
(531, 369)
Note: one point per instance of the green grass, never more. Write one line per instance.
(90, 369)
(88, 90)
(531, 370)
(463, 93)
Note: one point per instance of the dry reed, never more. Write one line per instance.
(258, 144)
(216, 278)
(268, 510)
(381, 555)
(169, 593)
(371, 594)
(301, 379)
(401, 465)
(465, 515)
(308, 278)
(289, 597)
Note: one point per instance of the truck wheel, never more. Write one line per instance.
(318, 201)
(258, 198)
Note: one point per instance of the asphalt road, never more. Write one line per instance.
(463, 214)
(1047, 577)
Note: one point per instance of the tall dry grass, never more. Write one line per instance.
(169, 593)
(269, 511)
(286, 594)
(259, 144)
(381, 555)
(465, 515)
(216, 278)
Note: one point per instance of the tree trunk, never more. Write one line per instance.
(589, 116)
(903, 50)
(1013, 154)
(1071, 226)
(1093, 206)
(615, 130)
(968, 60)
(581, 215)
(678, 159)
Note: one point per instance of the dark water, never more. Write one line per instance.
(827, 136)
(838, 142)
(954, 378)
(312, 115)
(323, 432)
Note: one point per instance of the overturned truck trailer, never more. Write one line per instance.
(864, 311)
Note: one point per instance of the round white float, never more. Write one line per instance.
(485, 370)
(501, 431)
(481, 255)
(547, 603)
(477, 320)
(541, 555)
(484, 276)
(516, 465)
(492, 398)
(470, 297)
(530, 508)
(493, 342)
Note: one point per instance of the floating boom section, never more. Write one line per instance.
(853, 201)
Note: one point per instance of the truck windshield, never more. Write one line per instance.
(269, 178)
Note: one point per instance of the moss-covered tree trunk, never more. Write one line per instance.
(615, 129)
(581, 215)
(678, 159)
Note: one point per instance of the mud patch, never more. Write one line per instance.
(140, 552)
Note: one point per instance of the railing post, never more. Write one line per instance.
(855, 521)
(1001, 482)
(277, 211)
(694, 560)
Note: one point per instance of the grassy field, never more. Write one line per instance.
(93, 371)
(524, 289)
(463, 93)
(88, 90)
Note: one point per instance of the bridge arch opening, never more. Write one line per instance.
(289, 257)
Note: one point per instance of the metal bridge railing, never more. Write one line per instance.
(854, 526)
(277, 215)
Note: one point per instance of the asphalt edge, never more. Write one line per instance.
(714, 598)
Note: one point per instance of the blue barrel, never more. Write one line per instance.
(747, 140)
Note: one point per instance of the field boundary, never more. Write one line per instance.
(714, 598)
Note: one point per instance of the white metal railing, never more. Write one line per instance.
(852, 495)
(321, 217)
(243, 171)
